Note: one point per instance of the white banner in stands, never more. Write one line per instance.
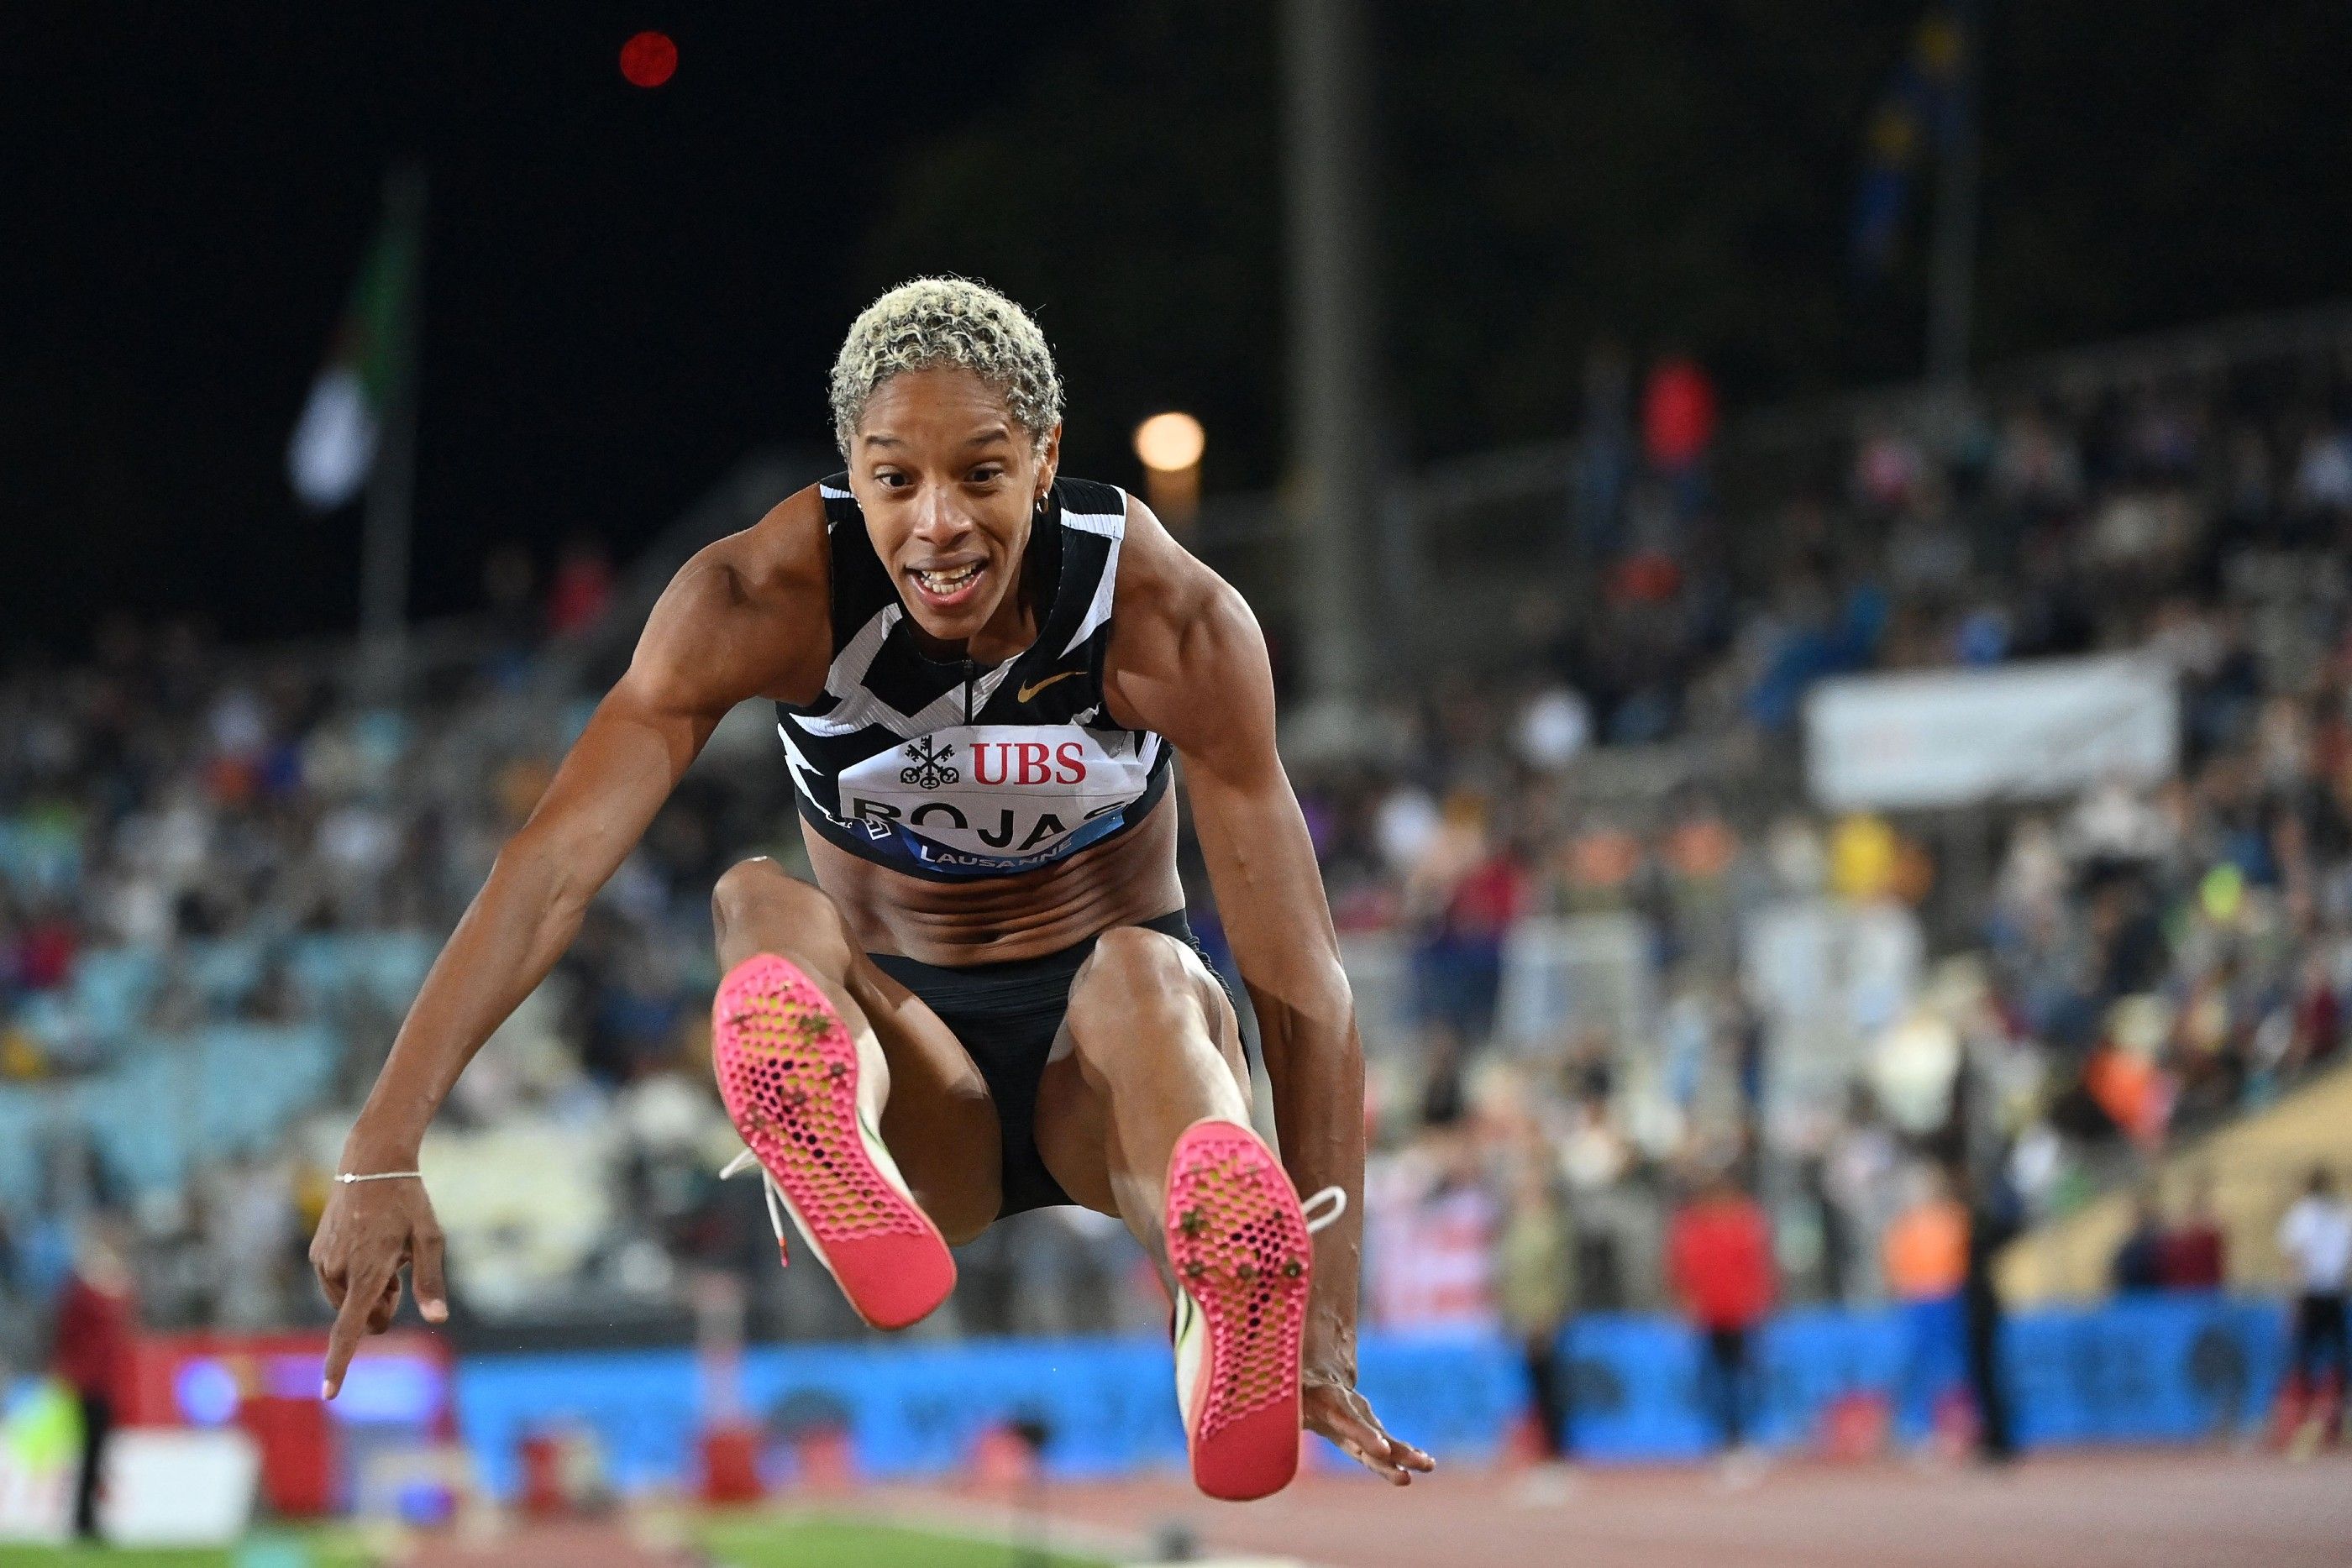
(1957, 737)
(170, 1487)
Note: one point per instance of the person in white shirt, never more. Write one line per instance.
(2316, 1238)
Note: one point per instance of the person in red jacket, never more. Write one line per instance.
(97, 1320)
(2194, 1254)
(1719, 1262)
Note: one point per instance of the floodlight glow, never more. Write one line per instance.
(1170, 443)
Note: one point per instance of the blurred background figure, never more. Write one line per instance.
(97, 1317)
(582, 588)
(1993, 1218)
(1719, 1257)
(1927, 1273)
(2316, 1237)
(2194, 1254)
(1535, 1293)
(1466, 890)
(2139, 1265)
(16, 1320)
(1430, 1247)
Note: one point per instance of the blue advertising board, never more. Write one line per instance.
(2159, 1369)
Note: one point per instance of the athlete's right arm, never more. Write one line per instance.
(744, 619)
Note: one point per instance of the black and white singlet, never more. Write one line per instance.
(957, 769)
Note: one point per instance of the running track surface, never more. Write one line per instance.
(2138, 1509)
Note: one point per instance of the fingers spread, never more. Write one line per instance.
(1400, 1451)
(1361, 1440)
(1377, 1461)
(1345, 1417)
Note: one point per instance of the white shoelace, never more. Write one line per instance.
(1335, 1198)
(745, 1161)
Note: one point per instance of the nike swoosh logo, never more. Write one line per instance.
(1025, 692)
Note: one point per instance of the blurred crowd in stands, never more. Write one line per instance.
(2120, 971)
(1582, 1001)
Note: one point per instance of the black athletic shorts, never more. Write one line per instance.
(1007, 1015)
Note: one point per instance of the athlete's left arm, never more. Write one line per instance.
(1188, 660)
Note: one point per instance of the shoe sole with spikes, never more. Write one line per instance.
(1239, 1244)
(788, 1071)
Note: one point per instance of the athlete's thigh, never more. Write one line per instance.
(1074, 1127)
(940, 1120)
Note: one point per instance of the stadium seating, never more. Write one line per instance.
(1591, 917)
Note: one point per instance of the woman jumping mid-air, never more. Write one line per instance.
(989, 1001)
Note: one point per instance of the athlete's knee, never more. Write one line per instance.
(759, 895)
(962, 1211)
(1136, 959)
(1134, 976)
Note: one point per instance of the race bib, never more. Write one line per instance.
(997, 797)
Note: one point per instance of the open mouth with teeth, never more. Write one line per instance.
(946, 586)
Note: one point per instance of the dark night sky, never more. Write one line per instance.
(626, 289)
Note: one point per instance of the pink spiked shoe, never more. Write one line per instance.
(788, 1070)
(1242, 1248)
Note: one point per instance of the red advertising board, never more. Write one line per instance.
(268, 1385)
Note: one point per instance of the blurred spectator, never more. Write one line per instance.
(2316, 1238)
(1535, 1275)
(1432, 1221)
(1604, 446)
(253, 1237)
(581, 588)
(2139, 1266)
(2193, 1256)
(1678, 415)
(16, 1317)
(1992, 1223)
(1473, 888)
(1858, 1179)
(507, 582)
(1555, 726)
(1927, 1273)
(2323, 477)
(1719, 1259)
(97, 1319)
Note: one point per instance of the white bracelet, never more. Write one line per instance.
(380, 1175)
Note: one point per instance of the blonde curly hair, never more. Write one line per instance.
(933, 321)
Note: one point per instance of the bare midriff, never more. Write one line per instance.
(1123, 880)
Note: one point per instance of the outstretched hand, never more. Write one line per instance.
(1333, 1408)
(370, 1232)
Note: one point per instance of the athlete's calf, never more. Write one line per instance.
(1156, 1040)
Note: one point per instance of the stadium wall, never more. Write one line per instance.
(2158, 1370)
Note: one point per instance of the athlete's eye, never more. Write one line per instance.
(986, 474)
(890, 478)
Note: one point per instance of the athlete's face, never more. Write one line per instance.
(949, 483)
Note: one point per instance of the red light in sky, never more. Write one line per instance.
(648, 59)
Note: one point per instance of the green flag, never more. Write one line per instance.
(334, 445)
